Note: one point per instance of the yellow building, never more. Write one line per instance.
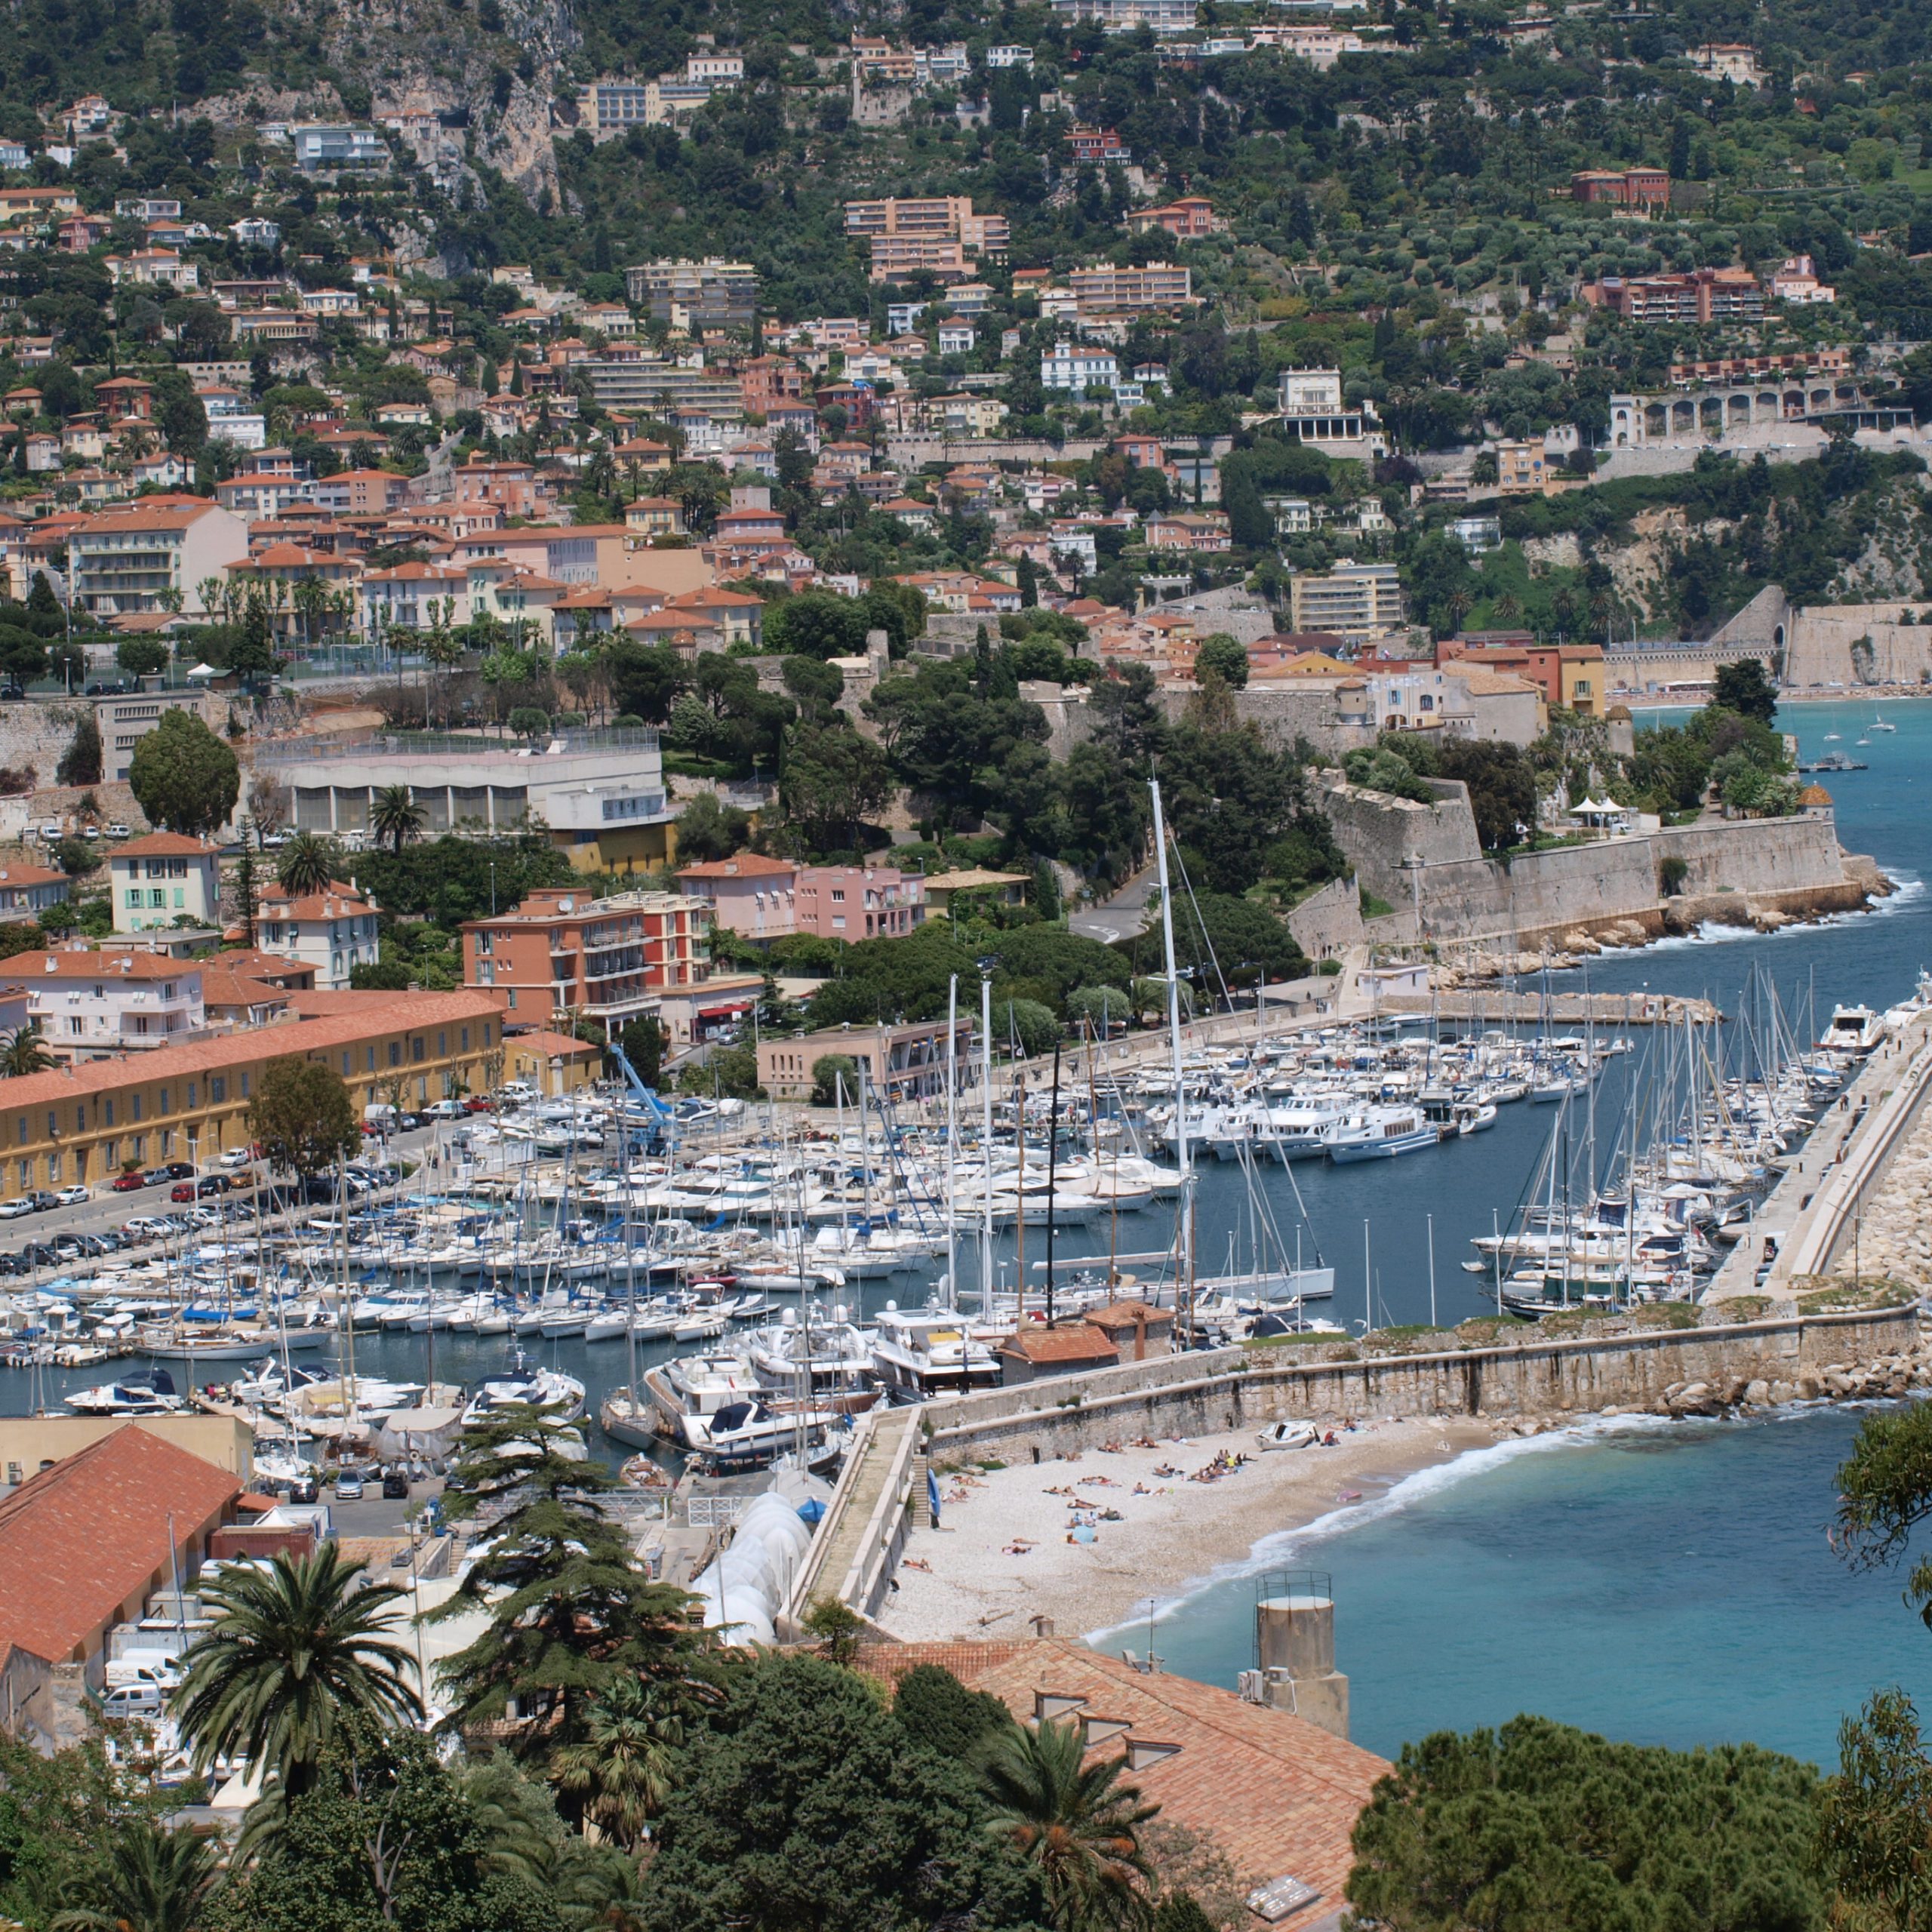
(90, 1121)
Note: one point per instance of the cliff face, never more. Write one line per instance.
(476, 87)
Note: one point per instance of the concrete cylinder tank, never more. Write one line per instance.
(1296, 1634)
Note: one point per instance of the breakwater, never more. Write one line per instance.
(1563, 1367)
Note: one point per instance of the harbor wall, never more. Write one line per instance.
(1428, 857)
(1537, 1375)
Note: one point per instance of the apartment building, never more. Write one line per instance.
(1704, 295)
(128, 559)
(1525, 469)
(1108, 290)
(939, 233)
(333, 932)
(88, 1004)
(563, 953)
(190, 1102)
(1129, 16)
(1187, 220)
(28, 891)
(858, 902)
(1072, 367)
(124, 721)
(1098, 144)
(712, 294)
(900, 1063)
(1359, 603)
(165, 879)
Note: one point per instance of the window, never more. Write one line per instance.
(465, 1037)
(77, 1025)
(512, 1001)
(167, 1143)
(81, 1118)
(108, 1153)
(52, 1127)
(218, 1087)
(107, 1113)
(345, 1062)
(164, 1107)
(140, 1149)
(193, 1088)
(419, 1048)
(244, 1086)
(442, 1046)
(395, 1053)
(134, 1101)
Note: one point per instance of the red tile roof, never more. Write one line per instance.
(746, 865)
(1276, 1794)
(1060, 1344)
(120, 962)
(82, 1540)
(163, 844)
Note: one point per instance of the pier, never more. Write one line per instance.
(1470, 1007)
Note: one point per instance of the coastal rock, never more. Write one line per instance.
(1783, 1392)
(1757, 1394)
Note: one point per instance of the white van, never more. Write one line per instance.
(160, 1668)
(133, 1700)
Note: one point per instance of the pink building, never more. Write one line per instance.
(860, 902)
(768, 899)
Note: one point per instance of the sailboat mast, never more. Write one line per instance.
(952, 1134)
(986, 1144)
(1185, 1225)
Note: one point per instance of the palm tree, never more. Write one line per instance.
(292, 1649)
(442, 647)
(153, 1880)
(1075, 1823)
(25, 1052)
(307, 865)
(395, 815)
(621, 1774)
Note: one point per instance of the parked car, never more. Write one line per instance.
(131, 1700)
(478, 1103)
(13, 694)
(395, 1485)
(42, 1200)
(348, 1486)
(179, 1170)
(118, 830)
(239, 1157)
(129, 1182)
(181, 1191)
(210, 1184)
(13, 1210)
(50, 828)
(157, 1176)
(444, 1110)
(71, 1197)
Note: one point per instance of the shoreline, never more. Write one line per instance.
(1006, 1551)
(1799, 694)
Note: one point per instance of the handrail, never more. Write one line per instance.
(862, 1580)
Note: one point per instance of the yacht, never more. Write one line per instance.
(546, 1388)
(825, 1362)
(1853, 1029)
(927, 1352)
(147, 1392)
(1376, 1133)
(744, 1435)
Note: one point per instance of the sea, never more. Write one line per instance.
(1666, 1583)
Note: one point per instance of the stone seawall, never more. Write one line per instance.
(1537, 1376)
(1409, 854)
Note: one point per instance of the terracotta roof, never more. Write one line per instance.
(339, 902)
(120, 962)
(1274, 1792)
(1060, 1344)
(251, 962)
(222, 986)
(405, 1012)
(164, 844)
(555, 1046)
(1128, 1315)
(82, 1540)
(29, 875)
(745, 865)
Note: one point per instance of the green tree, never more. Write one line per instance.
(293, 1649)
(1743, 686)
(385, 1840)
(307, 865)
(807, 1808)
(569, 1609)
(393, 815)
(937, 1711)
(141, 656)
(302, 1116)
(833, 782)
(1098, 1008)
(835, 1080)
(150, 1879)
(817, 623)
(25, 1051)
(80, 763)
(183, 777)
(621, 1774)
(1075, 1822)
(1874, 1837)
(708, 829)
(1224, 654)
(1025, 1024)
(1541, 1828)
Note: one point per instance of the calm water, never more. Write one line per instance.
(1660, 1585)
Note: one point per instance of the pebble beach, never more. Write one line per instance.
(1086, 1538)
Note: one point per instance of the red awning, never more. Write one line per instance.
(725, 1012)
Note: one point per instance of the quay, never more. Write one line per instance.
(1473, 1008)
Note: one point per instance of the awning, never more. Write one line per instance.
(725, 1012)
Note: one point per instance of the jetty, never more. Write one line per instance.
(1470, 1007)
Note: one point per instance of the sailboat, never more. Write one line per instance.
(1880, 722)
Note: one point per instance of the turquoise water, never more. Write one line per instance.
(1669, 1584)
(1666, 1583)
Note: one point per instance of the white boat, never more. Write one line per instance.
(147, 1392)
(1853, 1029)
(745, 1434)
(1881, 722)
(1378, 1133)
(930, 1352)
(546, 1388)
(1288, 1435)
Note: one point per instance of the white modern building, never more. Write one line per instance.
(322, 144)
(1315, 410)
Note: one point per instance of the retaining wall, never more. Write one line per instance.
(1221, 1389)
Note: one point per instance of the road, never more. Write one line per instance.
(1122, 916)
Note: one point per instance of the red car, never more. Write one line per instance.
(477, 1103)
(129, 1184)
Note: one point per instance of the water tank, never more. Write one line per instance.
(1296, 1634)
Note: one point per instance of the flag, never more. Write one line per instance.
(932, 1494)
